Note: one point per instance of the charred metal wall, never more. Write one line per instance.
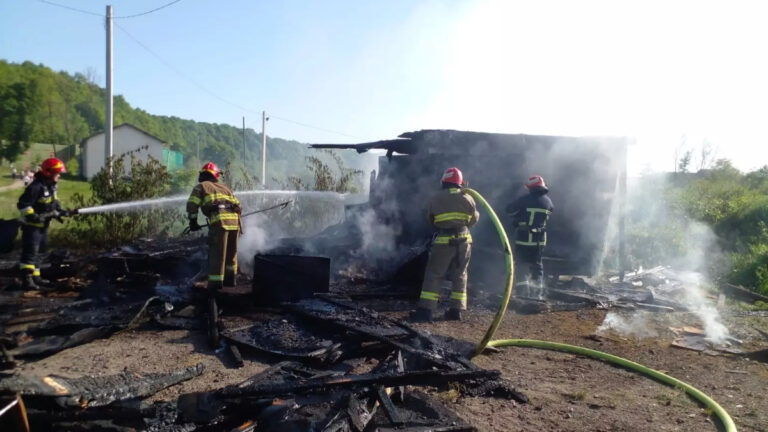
(582, 175)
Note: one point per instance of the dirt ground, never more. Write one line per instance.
(567, 392)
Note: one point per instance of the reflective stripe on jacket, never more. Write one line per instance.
(217, 202)
(530, 214)
(38, 197)
(452, 213)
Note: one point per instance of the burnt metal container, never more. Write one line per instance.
(289, 278)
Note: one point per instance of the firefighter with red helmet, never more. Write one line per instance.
(530, 214)
(219, 204)
(38, 205)
(451, 213)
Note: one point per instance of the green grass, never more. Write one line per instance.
(67, 188)
(5, 179)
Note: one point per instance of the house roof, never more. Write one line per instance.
(123, 125)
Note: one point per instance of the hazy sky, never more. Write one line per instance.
(368, 70)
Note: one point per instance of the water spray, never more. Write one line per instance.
(175, 201)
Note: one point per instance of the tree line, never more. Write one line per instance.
(38, 104)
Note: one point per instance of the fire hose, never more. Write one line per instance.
(714, 407)
(282, 205)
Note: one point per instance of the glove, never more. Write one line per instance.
(67, 212)
(194, 226)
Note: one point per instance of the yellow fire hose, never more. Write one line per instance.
(695, 393)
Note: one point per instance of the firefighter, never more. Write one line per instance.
(219, 205)
(451, 212)
(530, 214)
(38, 205)
(222, 209)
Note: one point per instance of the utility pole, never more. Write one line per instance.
(264, 148)
(108, 126)
(198, 149)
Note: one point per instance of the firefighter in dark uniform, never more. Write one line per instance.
(530, 214)
(217, 203)
(451, 212)
(38, 205)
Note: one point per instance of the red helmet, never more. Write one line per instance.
(453, 175)
(211, 167)
(52, 166)
(535, 181)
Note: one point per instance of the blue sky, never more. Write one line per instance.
(368, 70)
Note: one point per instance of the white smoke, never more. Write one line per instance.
(662, 235)
(636, 325)
(694, 297)
(306, 215)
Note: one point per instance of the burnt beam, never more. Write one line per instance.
(415, 378)
(389, 408)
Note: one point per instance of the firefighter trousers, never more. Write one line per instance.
(444, 259)
(222, 257)
(34, 242)
(529, 271)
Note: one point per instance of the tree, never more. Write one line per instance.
(685, 161)
(16, 110)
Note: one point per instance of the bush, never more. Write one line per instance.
(751, 268)
(147, 180)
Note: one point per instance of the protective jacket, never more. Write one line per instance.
(38, 198)
(530, 214)
(452, 213)
(218, 204)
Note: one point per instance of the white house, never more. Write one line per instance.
(127, 140)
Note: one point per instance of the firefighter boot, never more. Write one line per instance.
(230, 279)
(28, 282)
(421, 315)
(40, 281)
(453, 314)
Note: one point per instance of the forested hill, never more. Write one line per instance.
(38, 104)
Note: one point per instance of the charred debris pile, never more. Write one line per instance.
(335, 365)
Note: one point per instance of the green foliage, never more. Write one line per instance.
(661, 227)
(147, 180)
(40, 105)
(15, 119)
(327, 178)
(182, 181)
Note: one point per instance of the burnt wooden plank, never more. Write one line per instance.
(236, 356)
(416, 378)
(389, 408)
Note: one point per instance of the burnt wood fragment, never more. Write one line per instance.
(416, 378)
(51, 344)
(236, 356)
(96, 391)
(389, 408)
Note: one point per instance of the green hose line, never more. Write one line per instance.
(510, 265)
(695, 393)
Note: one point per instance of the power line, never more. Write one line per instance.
(185, 76)
(147, 12)
(102, 15)
(71, 8)
(226, 101)
(182, 74)
(314, 127)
